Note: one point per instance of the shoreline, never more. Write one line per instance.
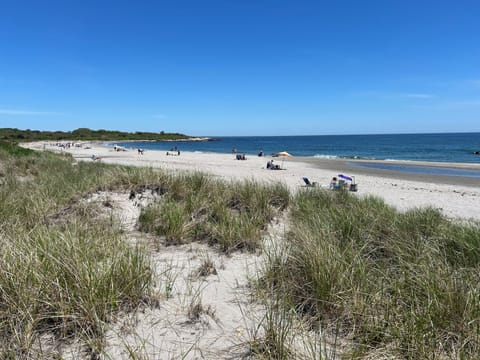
(456, 197)
(192, 139)
(333, 164)
(312, 158)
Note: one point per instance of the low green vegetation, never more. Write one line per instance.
(11, 148)
(86, 134)
(395, 285)
(65, 270)
(196, 207)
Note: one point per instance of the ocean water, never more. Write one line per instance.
(451, 147)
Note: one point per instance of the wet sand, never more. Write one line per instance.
(347, 167)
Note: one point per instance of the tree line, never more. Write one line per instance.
(14, 134)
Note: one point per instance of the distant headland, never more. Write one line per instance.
(85, 134)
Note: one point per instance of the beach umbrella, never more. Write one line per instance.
(345, 177)
(283, 154)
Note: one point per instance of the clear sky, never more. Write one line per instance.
(241, 67)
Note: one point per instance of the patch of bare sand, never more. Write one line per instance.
(205, 309)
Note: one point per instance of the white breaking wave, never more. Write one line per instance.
(325, 156)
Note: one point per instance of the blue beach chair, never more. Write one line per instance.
(308, 183)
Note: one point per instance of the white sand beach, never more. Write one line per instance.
(454, 197)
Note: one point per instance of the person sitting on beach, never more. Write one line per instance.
(334, 183)
(272, 166)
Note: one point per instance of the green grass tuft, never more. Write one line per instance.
(228, 215)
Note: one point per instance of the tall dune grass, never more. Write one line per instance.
(65, 270)
(395, 284)
(64, 278)
(229, 215)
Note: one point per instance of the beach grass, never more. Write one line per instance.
(401, 285)
(231, 216)
(66, 267)
(64, 270)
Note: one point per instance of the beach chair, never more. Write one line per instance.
(308, 183)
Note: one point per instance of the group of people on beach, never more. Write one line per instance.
(335, 184)
(173, 151)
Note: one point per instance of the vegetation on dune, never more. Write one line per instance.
(65, 278)
(11, 148)
(400, 285)
(232, 216)
(66, 270)
(86, 134)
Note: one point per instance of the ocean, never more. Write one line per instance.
(446, 147)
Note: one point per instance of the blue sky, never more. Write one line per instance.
(241, 67)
